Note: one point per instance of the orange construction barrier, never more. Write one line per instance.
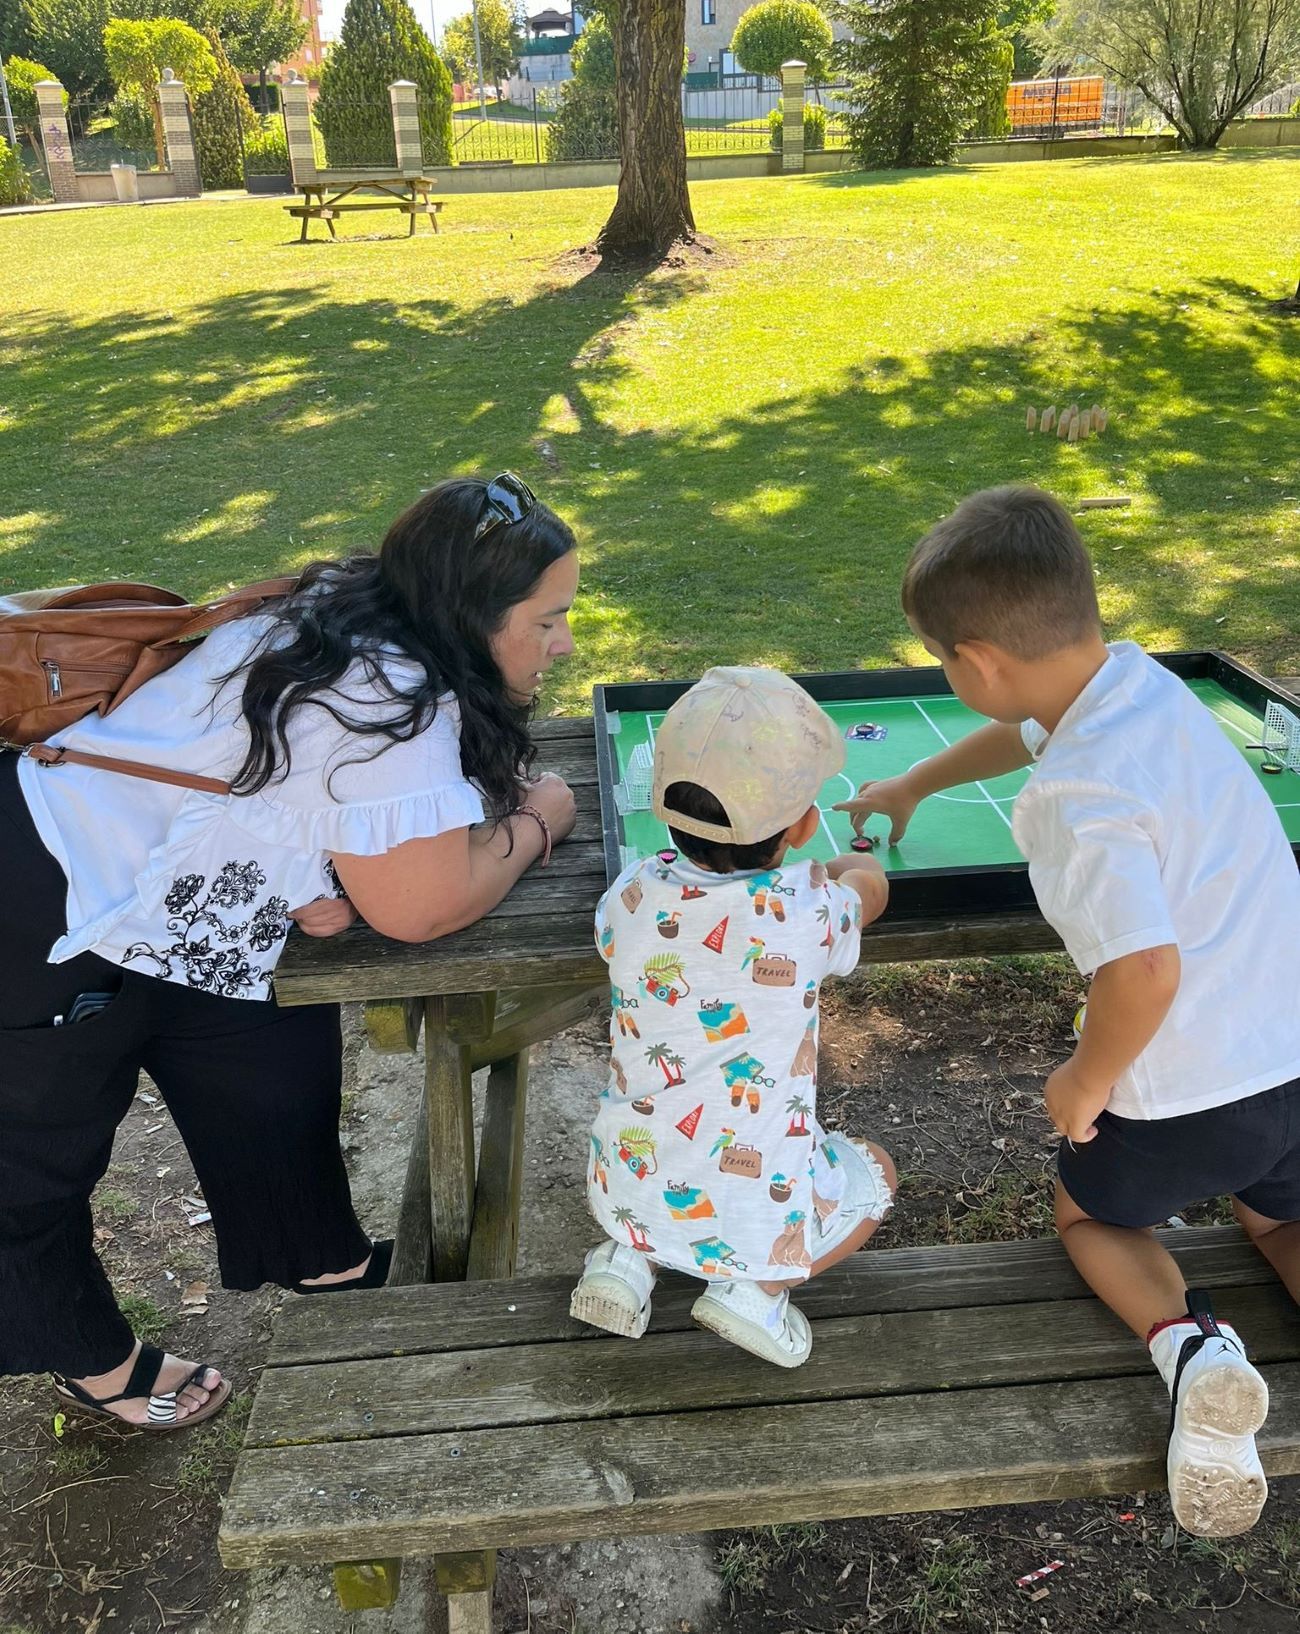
(1038, 107)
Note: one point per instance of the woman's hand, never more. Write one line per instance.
(893, 797)
(554, 799)
(327, 916)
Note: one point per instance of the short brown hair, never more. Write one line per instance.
(1008, 567)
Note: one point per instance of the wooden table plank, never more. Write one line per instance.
(535, 1310)
(691, 1472)
(906, 1353)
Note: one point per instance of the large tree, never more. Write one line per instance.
(69, 35)
(259, 33)
(381, 42)
(139, 50)
(498, 29)
(15, 28)
(778, 31)
(1202, 62)
(918, 72)
(653, 209)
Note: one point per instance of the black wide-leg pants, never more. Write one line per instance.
(254, 1091)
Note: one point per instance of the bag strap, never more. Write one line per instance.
(46, 754)
(238, 604)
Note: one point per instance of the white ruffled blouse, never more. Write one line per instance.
(197, 888)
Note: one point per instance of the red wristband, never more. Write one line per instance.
(532, 811)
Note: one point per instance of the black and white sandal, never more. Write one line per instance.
(162, 1405)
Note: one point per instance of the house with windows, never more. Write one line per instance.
(709, 27)
(307, 62)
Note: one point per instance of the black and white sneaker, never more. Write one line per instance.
(1218, 1402)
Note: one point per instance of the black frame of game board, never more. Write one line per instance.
(926, 892)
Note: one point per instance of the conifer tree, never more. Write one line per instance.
(918, 72)
(381, 42)
(223, 116)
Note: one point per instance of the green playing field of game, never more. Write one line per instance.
(890, 720)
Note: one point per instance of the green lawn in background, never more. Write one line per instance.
(747, 444)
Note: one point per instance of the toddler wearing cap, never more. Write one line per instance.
(706, 1153)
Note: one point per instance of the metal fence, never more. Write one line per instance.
(505, 132)
(97, 143)
(355, 135)
(1279, 105)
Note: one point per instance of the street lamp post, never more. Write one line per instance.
(9, 113)
(478, 58)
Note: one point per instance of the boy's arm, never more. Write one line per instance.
(1129, 1000)
(993, 750)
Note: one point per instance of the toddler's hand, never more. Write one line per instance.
(1073, 1105)
(327, 916)
(891, 796)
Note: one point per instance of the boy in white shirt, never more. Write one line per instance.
(1158, 858)
(706, 1153)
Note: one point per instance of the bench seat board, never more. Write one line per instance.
(534, 1310)
(680, 1472)
(855, 1357)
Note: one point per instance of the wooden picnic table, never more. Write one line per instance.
(333, 195)
(553, 1433)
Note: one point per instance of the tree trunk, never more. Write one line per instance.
(653, 208)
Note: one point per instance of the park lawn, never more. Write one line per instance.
(747, 444)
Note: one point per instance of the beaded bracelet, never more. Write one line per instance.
(532, 811)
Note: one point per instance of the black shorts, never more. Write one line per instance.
(1138, 1171)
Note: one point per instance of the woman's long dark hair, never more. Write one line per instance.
(436, 596)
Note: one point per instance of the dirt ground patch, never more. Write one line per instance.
(104, 1529)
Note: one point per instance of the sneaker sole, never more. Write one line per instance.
(608, 1303)
(1211, 1496)
(707, 1313)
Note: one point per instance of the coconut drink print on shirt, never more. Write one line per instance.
(707, 1152)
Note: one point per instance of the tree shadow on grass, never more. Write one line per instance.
(253, 432)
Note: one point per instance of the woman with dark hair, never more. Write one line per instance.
(373, 730)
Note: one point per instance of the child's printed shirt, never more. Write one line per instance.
(706, 1152)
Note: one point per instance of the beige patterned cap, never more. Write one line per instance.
(757, 742)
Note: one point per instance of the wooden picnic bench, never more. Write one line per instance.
(453, 1419)
(464, 1417)
(333, 195)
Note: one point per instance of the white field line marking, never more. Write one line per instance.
(926, 718)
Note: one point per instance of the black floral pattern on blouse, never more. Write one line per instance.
(210, 953)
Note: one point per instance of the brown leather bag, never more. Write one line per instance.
(65, 653)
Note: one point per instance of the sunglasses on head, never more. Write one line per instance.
(507, 500)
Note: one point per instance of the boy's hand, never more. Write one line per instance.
(1073, 1104)
(893, 797)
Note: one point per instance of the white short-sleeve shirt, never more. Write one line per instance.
(1143, 826)
(196, 888)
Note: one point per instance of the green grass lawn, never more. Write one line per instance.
(747, 446)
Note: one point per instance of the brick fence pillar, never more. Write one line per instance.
(295, 103)
(182, 160)
(405, 97)
(792, 93)
(57, 141)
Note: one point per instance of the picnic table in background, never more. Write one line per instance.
(333, 195)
